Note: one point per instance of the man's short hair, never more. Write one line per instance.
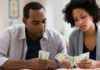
(31, 5)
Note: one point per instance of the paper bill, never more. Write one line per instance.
(62, 57)
(81, 57)
(84, 56)
(43, 55)
(69, 59)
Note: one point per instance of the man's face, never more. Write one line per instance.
(36, 23)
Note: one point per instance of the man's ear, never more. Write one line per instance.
(24, 21)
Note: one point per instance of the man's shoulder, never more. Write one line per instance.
(15, 30)
(17, 26)
(53, 34)
(52, 31)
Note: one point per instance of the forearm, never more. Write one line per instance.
(98, 64)
(14, 65)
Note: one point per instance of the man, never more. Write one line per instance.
(19, 44)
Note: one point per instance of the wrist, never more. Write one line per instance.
(27, 64)
(97, 64)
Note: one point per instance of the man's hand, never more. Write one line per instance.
(52, 65)
(37, 64)
(65, 64)
(33, 64)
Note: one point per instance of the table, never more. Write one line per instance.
(77, 69)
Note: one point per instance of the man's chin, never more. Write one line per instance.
(39, 37)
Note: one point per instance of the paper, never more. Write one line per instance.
(73, 60)
(43, 55)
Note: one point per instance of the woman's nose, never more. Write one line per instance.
(79, 22)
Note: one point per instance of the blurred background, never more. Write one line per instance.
(11, 13)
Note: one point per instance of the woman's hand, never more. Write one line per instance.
(88, 64)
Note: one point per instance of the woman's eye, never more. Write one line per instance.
(75, 19)
(83, 17)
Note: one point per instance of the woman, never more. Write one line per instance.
(84, 14)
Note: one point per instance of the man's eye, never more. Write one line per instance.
(35, 23)
(44, 21)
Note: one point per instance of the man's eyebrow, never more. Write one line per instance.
(38, 21)
(35, 21)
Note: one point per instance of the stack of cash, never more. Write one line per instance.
(73, 60)
(60, 57)
(43, 55)
(82, 57)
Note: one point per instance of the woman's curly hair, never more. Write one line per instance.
(88, 5)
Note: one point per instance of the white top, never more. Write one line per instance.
(13, 44)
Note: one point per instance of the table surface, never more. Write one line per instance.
(70, 69)
(77, 69)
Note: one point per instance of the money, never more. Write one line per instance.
(43, 55)
(82, 57)
(69, 59)
(62, 57)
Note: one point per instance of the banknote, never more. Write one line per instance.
(81, 57)
(69, 58)
(44, 55)
(72, 59)
(60, 57)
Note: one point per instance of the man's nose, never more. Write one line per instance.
(41, 25)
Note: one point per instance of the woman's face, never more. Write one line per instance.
(82, 19)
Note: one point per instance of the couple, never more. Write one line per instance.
(20, 44)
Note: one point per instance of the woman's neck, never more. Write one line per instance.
(91, 31)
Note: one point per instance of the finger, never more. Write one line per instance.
(43, 62)
(66, 65)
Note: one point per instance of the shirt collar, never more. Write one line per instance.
(45, 36)
(23, 33)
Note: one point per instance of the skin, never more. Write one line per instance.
(35, 24)
(88, 64)
(84, 21)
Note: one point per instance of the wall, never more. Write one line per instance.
(53, 11)
(55, 17)
(3, 14)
